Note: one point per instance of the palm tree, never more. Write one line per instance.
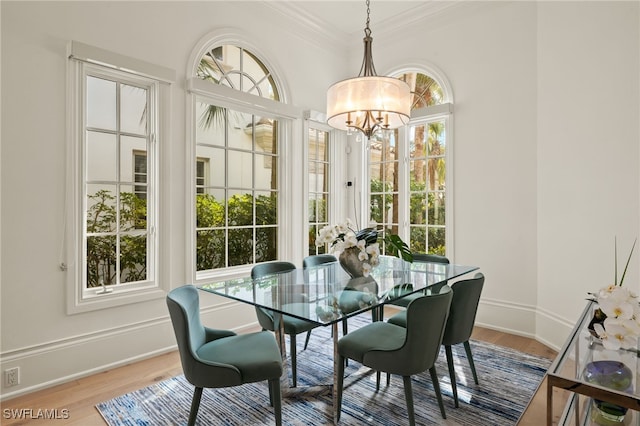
(209, 69)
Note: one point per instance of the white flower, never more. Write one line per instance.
(615, 335)
(350, 240)
(366, 269)
(621, 328)
(617, 308)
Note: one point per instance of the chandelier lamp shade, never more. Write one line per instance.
(369, 102)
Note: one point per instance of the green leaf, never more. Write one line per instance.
(397, 247)
(628, 260)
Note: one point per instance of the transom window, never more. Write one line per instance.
(239, 69)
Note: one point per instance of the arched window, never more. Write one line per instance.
(239, 69)
(408, 169)
(239, 132)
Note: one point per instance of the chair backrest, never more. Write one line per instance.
(462, 316)
(265, 317)
(184, 309)
(425, 257)
(318, 259)
(264, 269)
(426, 319)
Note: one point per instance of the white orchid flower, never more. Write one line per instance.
(615, 308)
(362, 255)
(350, 240)
(366, 269)
(373, 249)
(608, 342)
(618, 336)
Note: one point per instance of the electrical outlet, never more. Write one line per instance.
(12, 376)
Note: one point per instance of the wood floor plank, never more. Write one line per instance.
(80, 396)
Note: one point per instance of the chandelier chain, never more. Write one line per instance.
(367, 30)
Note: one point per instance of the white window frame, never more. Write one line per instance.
(423, 115)
(290, 121)
(87, 60)
(317, 120)
(427, 115)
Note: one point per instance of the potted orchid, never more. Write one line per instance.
(616, 321)
(359, 251)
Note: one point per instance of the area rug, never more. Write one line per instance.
(507, 380)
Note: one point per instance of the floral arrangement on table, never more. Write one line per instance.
(616, 321)
(343, 239)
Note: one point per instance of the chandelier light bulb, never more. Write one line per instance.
(369, 102)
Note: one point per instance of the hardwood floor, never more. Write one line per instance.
(79, 397)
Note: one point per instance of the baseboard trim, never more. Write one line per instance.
(118, 346)
(60, 361)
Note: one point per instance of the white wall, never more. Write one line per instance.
(588, 109)
(545, 147)
(37, 334)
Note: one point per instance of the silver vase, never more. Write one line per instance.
(351, 263)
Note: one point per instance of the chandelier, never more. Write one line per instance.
(369, 102)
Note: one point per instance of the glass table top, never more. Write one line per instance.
(326, 294)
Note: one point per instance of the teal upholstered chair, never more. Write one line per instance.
(292, 326)
(401, 350)
(220, 358)
(462, 317)
(423, 257)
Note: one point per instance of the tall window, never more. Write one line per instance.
(319, 172)
(115, 132)
(407, 171)
(383, 181)
(237, 165)
(118, 131)
(427, 175)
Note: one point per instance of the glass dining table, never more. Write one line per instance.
(326, 295)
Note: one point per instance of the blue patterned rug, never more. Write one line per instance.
(508, 379)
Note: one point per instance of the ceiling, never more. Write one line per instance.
(349, 16)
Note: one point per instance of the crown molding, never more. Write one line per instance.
(325, 35)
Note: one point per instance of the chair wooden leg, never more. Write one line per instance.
(467, 349)
(195, 404)
(340, 373)
(408, 395)
(452, 374)
(388, 378)
(436, 388)
(306, 341)
(377, 381)
(294, 367)
(275, 396)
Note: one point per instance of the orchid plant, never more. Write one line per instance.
(618, 313)
(343, 236)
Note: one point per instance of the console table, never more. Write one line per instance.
(567, 372)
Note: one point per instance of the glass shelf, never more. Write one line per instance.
(567, 372)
